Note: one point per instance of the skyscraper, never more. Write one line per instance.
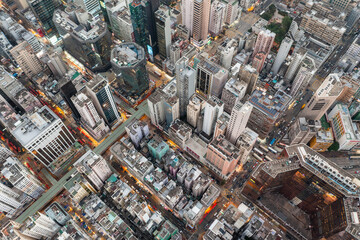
(94, 168)
(20, 177)
(294, 65)
(185, 83)
(45, 136)
(10, 200)
(213, 109)
(120, 20)
(201, 19)
(264, 42)
(129, 64)
(90, 118)
(211, 78)
(304, 75)
(25, 56)
(250, 76)
(282, 54)
(91, 6)
(87, 40)
(57, 65)
(258, 61)
(156, 107)
(238, 120)
(193, 110)
(187, 14)
(323, 98)
(44, 11)
(303, 130)
(232, 11)
(39, 226)
(98, 90)
(222, 156)
(67, 91)
(163, 30)
(217, 17)
(143, 21)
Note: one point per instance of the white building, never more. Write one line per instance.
(217, 17)
(39, 226)
(214, 107)
(232, 11)
(45, 136)
(91, 6)
(21, 178)
(93, 123)
(193, 110)
(304, 75)
(345, 131)
(323, 98)
(239, 117)
(137, 130)
(187, 12)
(5, 153)
(294, 65)
(10, 200)
(156, 107)
(282, 54)
(94, 168)
(57, 65)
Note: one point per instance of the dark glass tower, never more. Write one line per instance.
(129, 64)
(143, 21)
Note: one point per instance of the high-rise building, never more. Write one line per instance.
(264, 42)
(201, 18)
(44, 11)
(303, 76)
(222, 157)
(213, 109)
(5, 46)
(90, 118)
(171, 109)
(238, 120)
(143, 21)
(211, 78)
(232, 93)
(282, 54)
(258, 61)
(193, 110)
(86, 39)
(232, 11)
(20, 177)
(120, 20)
(156, 107)
(267, 110)
(98, 90)
(250, 76)
(329, 31)
(352, 18)
(306, 184)
(345, 131)
(39, 226)
(10, 200)
(340, 4)
(294, 65)
(128, 61)
(163, 31)
(185, 83)
(187, 14)
(67, 91)
(57, 65)
(217, 17)
(5, 153)
(137, 130)
(8, 116)
(221, 124)
(25, 56)
(90, 6)
(94, 169)
(45, 136)
(245, 142)
(16, 94)
(323, 98)
(303, 130)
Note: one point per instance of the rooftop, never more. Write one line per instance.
(127, 55)
(33, 125)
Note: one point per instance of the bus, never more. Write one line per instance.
(264, 148)
(257, 157)
(258, 151)
(268, 158)
(273, 150)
